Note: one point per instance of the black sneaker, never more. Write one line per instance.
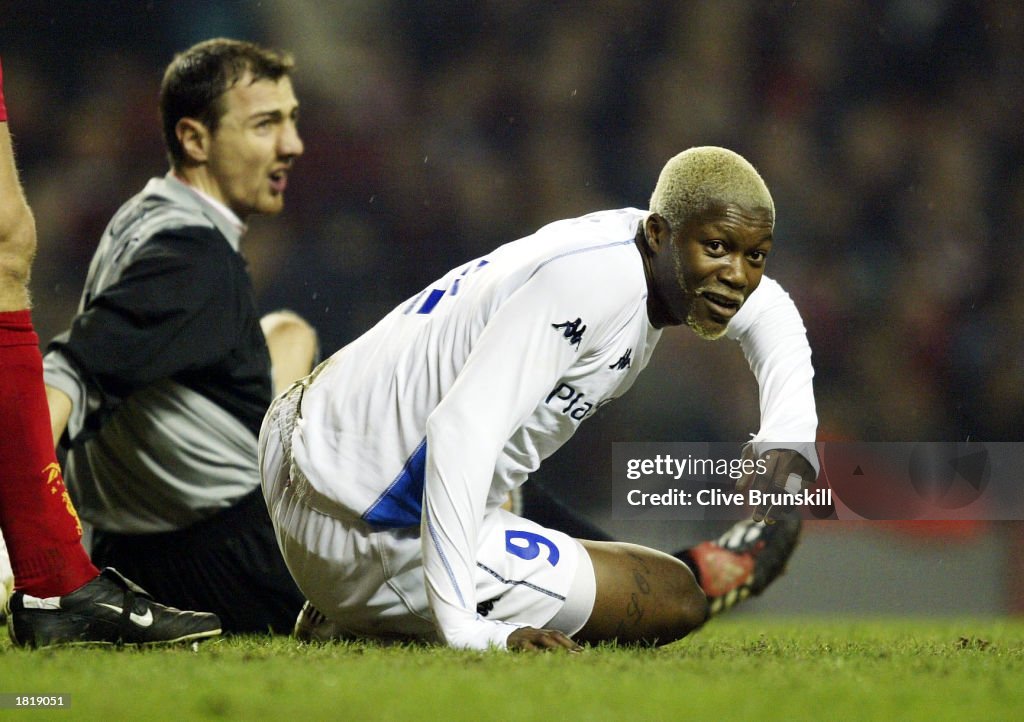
(313, 626)
(744, 560)
(108, 610)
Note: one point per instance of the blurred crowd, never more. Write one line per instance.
(889, 132)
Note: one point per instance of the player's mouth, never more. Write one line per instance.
(721, 304)
(279, 180)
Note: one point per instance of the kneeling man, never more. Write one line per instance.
(385, 470)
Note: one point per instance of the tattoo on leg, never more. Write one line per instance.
(635, 611)
(640, 561)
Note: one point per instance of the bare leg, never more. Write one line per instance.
(40, 525)
(643, 596)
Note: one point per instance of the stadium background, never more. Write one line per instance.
(889, 133)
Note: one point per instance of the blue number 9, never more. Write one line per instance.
(532, 545)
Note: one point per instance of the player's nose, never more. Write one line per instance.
(732, 273)
(290, 143)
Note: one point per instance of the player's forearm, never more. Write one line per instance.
(293, 347)
(60, 411)
(459, 465)
(788, 411)
(774, 341)
(66, 396)
(452, 595)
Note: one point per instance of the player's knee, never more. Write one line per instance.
(14, 272)
(693, 610)
(17, 247)
(689, 605)
(676, 619)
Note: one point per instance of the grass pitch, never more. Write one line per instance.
(749, 667)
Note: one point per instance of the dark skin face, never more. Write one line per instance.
(702, 273)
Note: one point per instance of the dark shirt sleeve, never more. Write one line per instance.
(174, 310)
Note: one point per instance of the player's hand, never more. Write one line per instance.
(541, 640)
(786, 472)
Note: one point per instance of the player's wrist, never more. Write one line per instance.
(806, 449)
(480, 634)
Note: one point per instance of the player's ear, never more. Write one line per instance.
(194, 138)
(656, 232)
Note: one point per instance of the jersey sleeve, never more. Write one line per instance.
(170, 311)
(773, 338)
(538, 333)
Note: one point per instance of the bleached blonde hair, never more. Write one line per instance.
(698, 177)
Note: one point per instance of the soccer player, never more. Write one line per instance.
(164, 377)
(385, 469)
(61, 597)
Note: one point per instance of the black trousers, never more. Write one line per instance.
(541, 506)
(228, 564)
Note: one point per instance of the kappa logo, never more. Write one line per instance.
(623, 363)
(141, 620)
(572, 330)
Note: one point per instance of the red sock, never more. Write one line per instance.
(43, 534)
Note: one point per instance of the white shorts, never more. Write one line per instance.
(369, 581)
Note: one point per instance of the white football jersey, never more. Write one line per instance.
(456, 396)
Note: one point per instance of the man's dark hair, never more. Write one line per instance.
(196, 80)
